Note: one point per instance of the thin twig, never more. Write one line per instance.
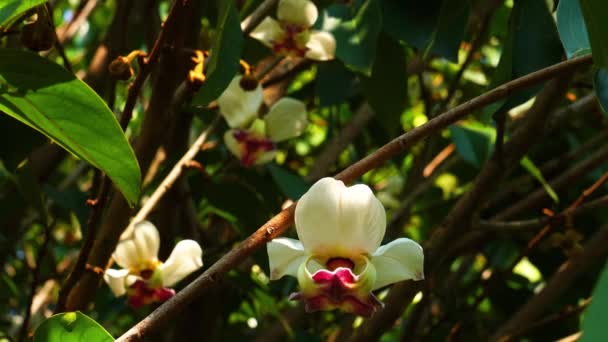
(279, 224)
(171, 178)
(258, 15)
(35, 280)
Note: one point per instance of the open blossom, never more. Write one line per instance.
(143, 278)
(251, 139)
(291, 34)
(338, 260)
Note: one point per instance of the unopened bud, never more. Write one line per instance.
(248, 83)
(120, 68)
(38, 36)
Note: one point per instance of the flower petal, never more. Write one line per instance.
(267, 32)
(239, 106)
(285, 257)
(321, 46)
(116, 280)
(232, 144)
(266, 157)
(185, 258)
(303, 13)
(286, 119)
(316, 217)
(126, 254)
(398, 260)
(147, 241)
(333, 220)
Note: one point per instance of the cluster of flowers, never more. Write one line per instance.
(338, 260)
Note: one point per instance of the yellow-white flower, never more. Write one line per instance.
(291, 34)
(253, 140)
(142, 276)
(338, 260)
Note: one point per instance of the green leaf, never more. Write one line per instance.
(335, 83)
(594, 12)
(292, 185)
(600, 84)
(44, 96)
(225, 55)
(356, 38)
(411, 21)
(71, 327)
(594, 320)
(527, 164)
(10, 10)
(571, 27)
(386, 88)
(21, 139)
(532, 44)
(453, 19)
(474, 142)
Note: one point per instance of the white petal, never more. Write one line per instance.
(316, 217)
(321, 46)
(239, 106)
(267, 32)
(232, 144)
(334, 220)
(147, 241)
(285, 257)
(266, 157)
(398, 260)
(299, 12)
(116, 280)
(126, 255)
(185, 258)
(286, 119)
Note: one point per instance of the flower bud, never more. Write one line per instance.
(39, 35)
(120, 68)
(248, 83)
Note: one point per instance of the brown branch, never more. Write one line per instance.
(593, 252)
(171, 178)
(459, 217)
(258, 15)
(279, 224)
(67, 32)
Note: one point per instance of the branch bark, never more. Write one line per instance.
(279, 224)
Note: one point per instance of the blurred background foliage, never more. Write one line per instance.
(399, 64)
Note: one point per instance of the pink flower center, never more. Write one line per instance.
(334, 263)
(291, 43)
(140, 294)
(252, 146)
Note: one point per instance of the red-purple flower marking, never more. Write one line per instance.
(252, 146)
(140, 294)
(290, 44)
(337, 288)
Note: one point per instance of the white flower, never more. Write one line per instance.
(254, 140)
(338, 260)
(142, 276)
(291, 34)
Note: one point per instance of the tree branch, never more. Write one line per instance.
(279, 224)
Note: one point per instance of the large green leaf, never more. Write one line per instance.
(474, 142)
(386, 88)
(356, 38)
(292, 185)
(225, 55)
(600, 84)
(435, 25)
(20, 137)
(335, 83)
(71, 327)
(44, 96)
(597, 26)
(10, 10)
(532, 44)
(594, 321)
(571, 27)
